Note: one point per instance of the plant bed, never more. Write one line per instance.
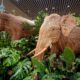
(15, 64)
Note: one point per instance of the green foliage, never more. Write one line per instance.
(21, 70)
(38, 65)
(24, 45)
(12, 59)
(4, 52)
(78, 20)
(27, 26)
(9, 56)
(68, 56)
(51, 59)
(2, 70)
(52, 76)
(39, 68)
(20, 44)
(39, 20)
(76, 76)
(4, 39)
(28, 78)
(53, 69)
(63, 67)
(77, 61)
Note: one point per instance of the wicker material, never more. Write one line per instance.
(13, 25)
(57, 33)
(32, 7)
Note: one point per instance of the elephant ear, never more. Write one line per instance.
(67, 24)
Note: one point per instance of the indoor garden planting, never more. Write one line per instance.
(16, 64)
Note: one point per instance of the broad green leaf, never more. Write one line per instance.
(5, 39)
(21, 70)
(77, 61)
(38, 65)
(76, 76)
(68, 56)
(11, 60)
(10, 56)
(4, 52)
(78, 79)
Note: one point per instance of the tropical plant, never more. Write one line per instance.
(13, 66)
(4, 39)
(27, 26)
(9, 56)
(78, 20)
(40, 18)
(24, 45)
(21, 70)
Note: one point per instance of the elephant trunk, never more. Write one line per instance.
(42, 44)
(39, 51)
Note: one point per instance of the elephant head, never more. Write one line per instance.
(51, 31)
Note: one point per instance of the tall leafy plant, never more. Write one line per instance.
(39, 20)
(4, 39)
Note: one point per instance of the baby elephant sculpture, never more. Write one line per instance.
(13, 25)
(57, 33)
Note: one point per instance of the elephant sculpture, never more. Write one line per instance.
(56, 33)
(13, 25)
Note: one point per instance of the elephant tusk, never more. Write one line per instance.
(31, 52)
(42, 51)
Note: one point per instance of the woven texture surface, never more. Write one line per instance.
(32, 7)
